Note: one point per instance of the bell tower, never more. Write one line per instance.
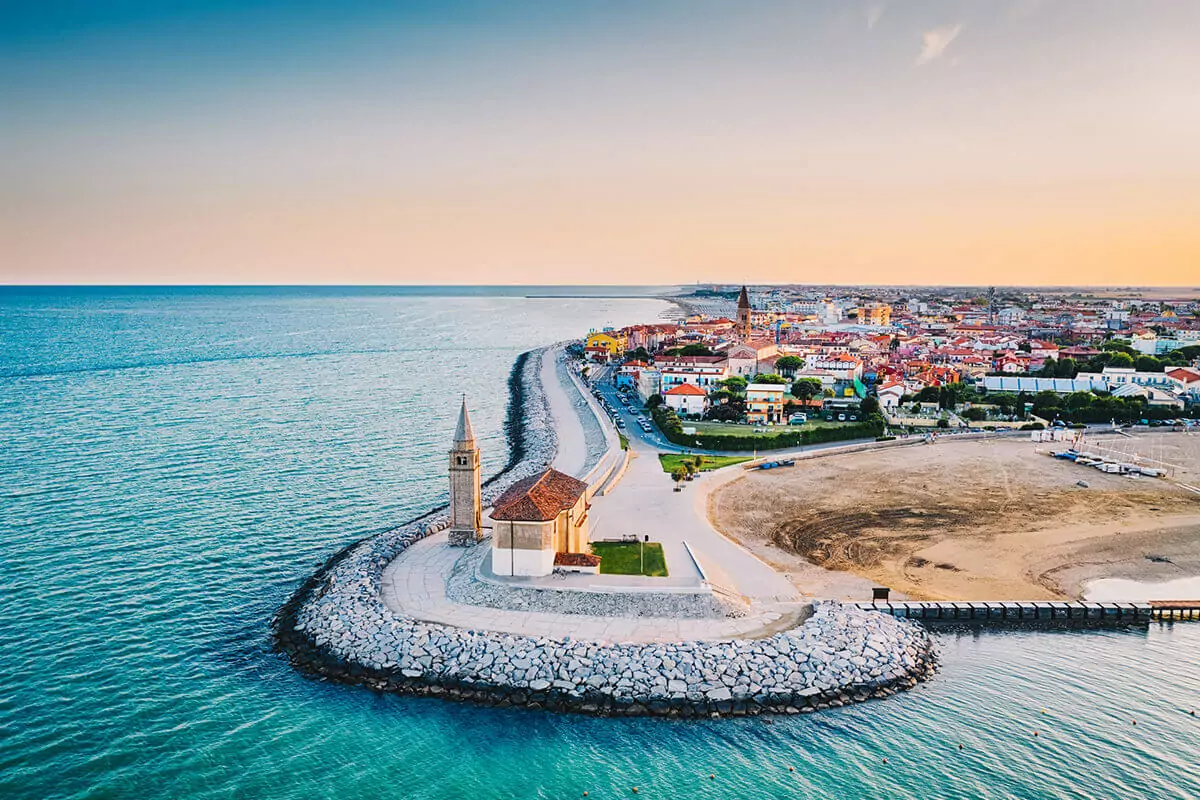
(743, 315)
(466, 503)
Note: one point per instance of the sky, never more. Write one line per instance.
(617, 142)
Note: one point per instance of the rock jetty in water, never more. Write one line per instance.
(337, 626)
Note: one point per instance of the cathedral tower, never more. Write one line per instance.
(743, 316)
(466, 503)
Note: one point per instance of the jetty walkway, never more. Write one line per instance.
(1016, 613)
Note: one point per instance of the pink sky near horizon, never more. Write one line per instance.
(932, 143)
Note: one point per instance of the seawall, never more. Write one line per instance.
(337, 627)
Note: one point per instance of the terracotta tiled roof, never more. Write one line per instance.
(687, 388)
(576, 560)
(538, 498)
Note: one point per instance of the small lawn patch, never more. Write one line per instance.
(670, 461)
(626, 558)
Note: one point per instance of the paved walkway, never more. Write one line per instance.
(414, 585)
(572, 442)
(645, 503)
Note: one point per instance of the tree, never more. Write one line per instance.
(1121, 360)
(869, 406)
(654, 401)
(729, 412)
(1118, 346)
(787, 365)
(1067, 368)
(975, 414)
(1005, 401)
(640, 354)
(806, 388)
(1079, 400)
(769, 377)
(929, 394)
(691, 350)
(734, 383)
(678, 474)
(894, 344)
(1148, 364)
(1049, 367)
(689, 467)
(948, 395)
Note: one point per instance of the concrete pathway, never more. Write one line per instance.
(572, 444)
(414, 585)
(646, 504)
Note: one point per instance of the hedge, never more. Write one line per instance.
(668, 422)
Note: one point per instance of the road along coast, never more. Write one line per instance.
(337, 626)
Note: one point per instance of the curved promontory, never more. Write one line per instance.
(337, 626)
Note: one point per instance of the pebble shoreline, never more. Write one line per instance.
(336, 626)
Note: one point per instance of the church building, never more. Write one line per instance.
(541, 523)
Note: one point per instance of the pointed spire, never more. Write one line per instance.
(464, 432)
(743, 299)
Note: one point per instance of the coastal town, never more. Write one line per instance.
(744, 510)
(922, 359)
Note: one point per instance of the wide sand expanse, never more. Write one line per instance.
(968, 520)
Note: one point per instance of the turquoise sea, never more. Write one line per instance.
(174, 462)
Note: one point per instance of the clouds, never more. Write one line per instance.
(935, 42)
(874, 14)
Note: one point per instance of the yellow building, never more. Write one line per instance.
(876, 314)
(613, 342)
(764, 403)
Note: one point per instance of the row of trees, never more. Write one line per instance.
(671, 426)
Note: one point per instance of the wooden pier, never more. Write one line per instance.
(1056, 613)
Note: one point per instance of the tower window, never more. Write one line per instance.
(462, 461)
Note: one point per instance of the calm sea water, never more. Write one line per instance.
(173, 463)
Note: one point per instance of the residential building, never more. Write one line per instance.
(706, 376)
(889, 394)
(842, 366)
(764, 403)
(605, 345)
(686, 398)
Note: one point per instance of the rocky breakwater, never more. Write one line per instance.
(337, 626)
(350, 579)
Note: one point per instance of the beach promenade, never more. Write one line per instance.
(643, 504)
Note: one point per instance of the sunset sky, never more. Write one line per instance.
(626, 141)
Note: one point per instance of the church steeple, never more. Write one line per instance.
(743, 315)
(464, 433)
(466, 500)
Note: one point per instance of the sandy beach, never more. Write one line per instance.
(970, 520)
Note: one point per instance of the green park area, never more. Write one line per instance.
(672, 461)
(631, 558)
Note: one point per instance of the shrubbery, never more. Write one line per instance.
(668, 422)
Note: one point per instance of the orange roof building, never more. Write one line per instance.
(537, 518)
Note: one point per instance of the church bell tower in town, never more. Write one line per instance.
(466, 502)
(743, 315)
